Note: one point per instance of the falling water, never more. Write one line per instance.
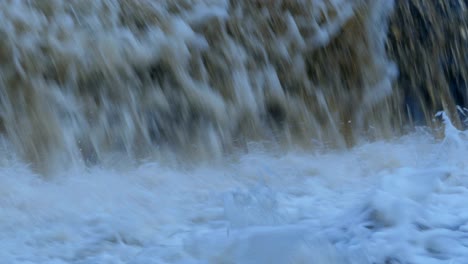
(300, 120)
(82, 79)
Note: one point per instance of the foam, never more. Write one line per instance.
(379, 202)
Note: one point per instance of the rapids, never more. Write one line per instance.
(230, 131)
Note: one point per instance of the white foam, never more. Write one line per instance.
(378, 202)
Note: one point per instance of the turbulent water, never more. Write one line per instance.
(201, 79)
(224, 131)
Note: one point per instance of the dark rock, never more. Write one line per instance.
(428, 41)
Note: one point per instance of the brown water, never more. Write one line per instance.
(83, 82)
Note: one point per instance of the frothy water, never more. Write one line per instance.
(216, 131)
(401, 201)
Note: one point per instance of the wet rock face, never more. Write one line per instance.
(428, 41)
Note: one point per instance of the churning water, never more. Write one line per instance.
(225, 131)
